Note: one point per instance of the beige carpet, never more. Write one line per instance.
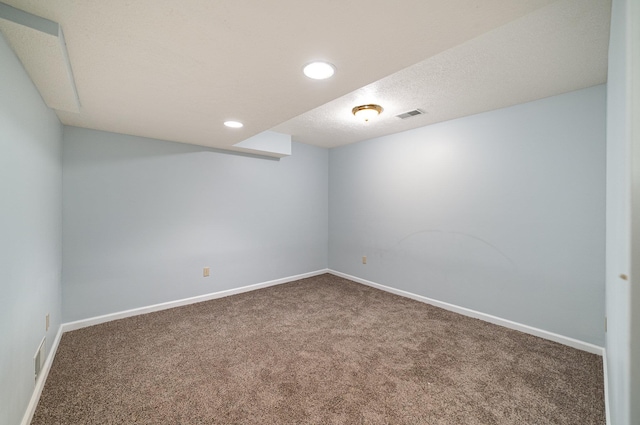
(322, 350)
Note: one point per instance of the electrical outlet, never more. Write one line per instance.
(205, 272)
(47, 322)
(364, 259)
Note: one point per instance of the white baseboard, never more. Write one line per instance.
(70, 326)
(605, 366)
(78, 324)
(37, 391)
(571, 342)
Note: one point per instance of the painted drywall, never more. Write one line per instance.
(143, 217)
(501, 212)
(619, 307)
(634, 72)
(30, 231)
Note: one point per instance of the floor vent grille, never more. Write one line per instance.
(38, 359)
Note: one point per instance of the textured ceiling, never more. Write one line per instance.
(556, 49)
(176, 70)
(40, 45)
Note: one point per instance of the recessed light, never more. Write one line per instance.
(319, 70)
(233, 124)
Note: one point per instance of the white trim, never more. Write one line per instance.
(605, 366)
(37, 391)
(70, 326)
(78, 324)
(571, 342)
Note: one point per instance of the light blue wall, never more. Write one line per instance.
(634, 70)
(142, 218)
(501, 212)
(30, 231)
(618, 301)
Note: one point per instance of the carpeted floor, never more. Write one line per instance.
(322, 350)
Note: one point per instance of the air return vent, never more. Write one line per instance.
(410, 114)
(38, 359)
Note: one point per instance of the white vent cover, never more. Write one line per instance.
(38, 359)
(410, 114)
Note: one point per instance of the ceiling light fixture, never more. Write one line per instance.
(366, 112)
(319, 70)
(233, 124)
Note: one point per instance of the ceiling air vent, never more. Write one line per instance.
(410, 114)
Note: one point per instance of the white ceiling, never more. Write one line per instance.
(177, 70)
(553, 50)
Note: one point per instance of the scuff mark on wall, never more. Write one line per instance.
(446, 233)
